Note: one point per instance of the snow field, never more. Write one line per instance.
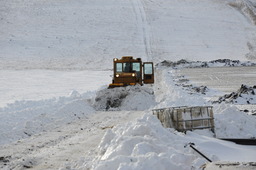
(35, 85)
(87, 35)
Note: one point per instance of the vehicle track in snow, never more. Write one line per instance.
(143, 24)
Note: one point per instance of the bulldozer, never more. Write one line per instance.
(130, 71)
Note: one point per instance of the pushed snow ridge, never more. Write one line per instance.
(125, 98)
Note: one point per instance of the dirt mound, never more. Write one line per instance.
(124, 98)
(244, 95)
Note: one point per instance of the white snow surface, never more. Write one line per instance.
(56, 57)
(81, 34)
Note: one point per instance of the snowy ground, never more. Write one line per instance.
(68, 132)
(80, 35)
(18, 85)
(49, 116)
(225, 79)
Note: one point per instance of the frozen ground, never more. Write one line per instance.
(49, 116)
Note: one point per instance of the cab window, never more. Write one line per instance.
(136, 67)
(127, 67)
(119, 67)
(148, 69)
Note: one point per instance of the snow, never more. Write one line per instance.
(18, 85)
(145, 144)
(56, 60)
(25, 118)
(125, 98)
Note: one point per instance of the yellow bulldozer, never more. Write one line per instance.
(130, 71)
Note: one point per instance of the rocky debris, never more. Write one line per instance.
(200, 89)
(200, 64)
(5, 159)
(184, 82)
(227, 62)
(244, 95)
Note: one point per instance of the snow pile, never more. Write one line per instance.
(125, 98)
(144, 144)
(229, 120)
(168, 94)
(244, 95)
(195, 64)
(232, 123)
(23, 119)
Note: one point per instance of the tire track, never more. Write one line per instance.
(144, 25)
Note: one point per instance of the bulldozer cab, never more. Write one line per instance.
(130, 71)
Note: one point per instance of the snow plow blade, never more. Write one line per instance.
(113, 85)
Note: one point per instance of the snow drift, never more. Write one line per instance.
(23, 119)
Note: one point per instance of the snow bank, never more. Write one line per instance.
(168, 94)
(125, 98)
(23, 119)
(230, 122)
(144, 144)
